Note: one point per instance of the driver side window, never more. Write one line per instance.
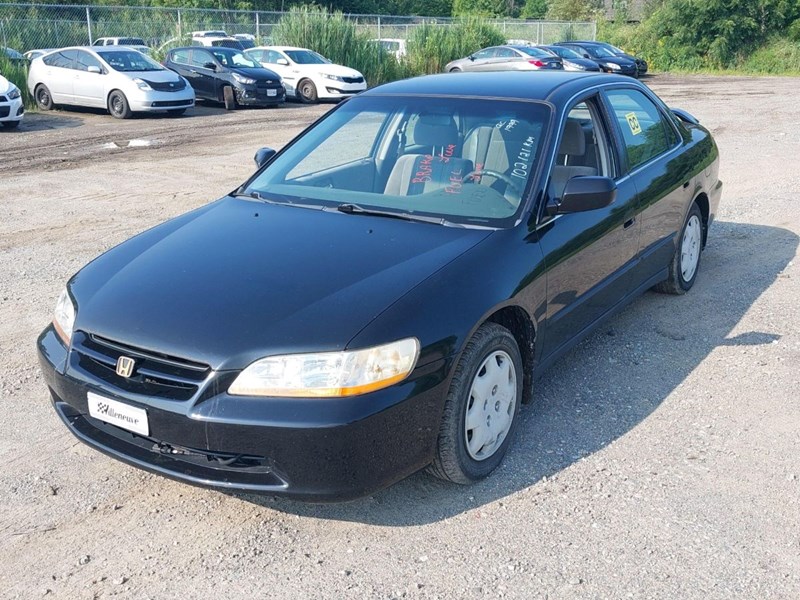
(488, 53)
(583, 148)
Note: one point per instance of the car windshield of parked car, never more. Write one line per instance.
(233, 58)
(129, 61)
(564, 52)
(457, 160)
(599, 52)
(534, 52)
(306, 57)
(131, 42)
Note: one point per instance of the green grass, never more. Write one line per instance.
(17, 73)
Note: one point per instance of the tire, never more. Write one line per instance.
(11, 124)
(685, 263)
(229, 97)
(118, 105)
(43, 98)
(455, 70)
(487, 384)
(307, 91)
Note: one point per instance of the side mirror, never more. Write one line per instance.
(471, 57)
(210, 65)
(685, 116)
(585, 193)
(94, 69)
(586, 55)
(282, 61)
(263, 156)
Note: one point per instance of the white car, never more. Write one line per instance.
(307, 75)
(130, 42)
(11, 109)
(394, 46)
(116, 78)
(216, 39)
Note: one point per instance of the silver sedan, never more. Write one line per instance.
(506, 58)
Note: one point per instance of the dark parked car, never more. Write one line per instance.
(641, 64)
(211, 70)
(607, 60)
(380, 296)
(572, 60)
(506, 58)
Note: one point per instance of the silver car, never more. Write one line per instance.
(117, 78)
(506, 58)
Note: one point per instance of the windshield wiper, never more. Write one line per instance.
(355, 209)
(255, 195)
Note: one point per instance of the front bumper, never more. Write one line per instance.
(255, 95)
(162, 101)
(328, 88)
(310, 449)
(11, 110)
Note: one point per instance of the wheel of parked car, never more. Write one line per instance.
(307, 91)
(229, 97)
(43, 99)
(686, 260)
(118, 105)
(481, 407)
(455, 70)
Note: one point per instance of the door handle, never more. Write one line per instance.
(685, 185)
(629, 222)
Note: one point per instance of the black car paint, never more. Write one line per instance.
(550, 280)
(586, 63)
(627, 66)
(209, 83)
(641, 64)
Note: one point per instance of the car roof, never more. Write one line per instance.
(512, 85)
(282, 48)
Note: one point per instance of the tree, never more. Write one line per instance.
(486, 8)
(534, 9)
(572, 10)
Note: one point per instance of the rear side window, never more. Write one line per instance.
(645, 132)
(64, 59)
(181, 57)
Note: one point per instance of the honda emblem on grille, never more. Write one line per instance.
(125, 366)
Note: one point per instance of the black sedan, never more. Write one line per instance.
(379, 297)
(607, 60)
(226, 75)
(572, 60)
(641, 64)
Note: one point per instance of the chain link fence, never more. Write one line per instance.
(33, 26)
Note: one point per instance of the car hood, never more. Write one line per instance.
(583, 62)
(622, 62)
(330, 69)
(5, 85)
(238, 280)
(257, 73)
(164, 76)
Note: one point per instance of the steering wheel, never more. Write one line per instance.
(513, 190)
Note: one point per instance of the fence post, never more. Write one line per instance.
(89, 25)
(379, 27)
(258, 27)
(180, 26)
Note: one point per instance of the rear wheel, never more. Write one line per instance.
(307, 91)
(685, 262)
(42, 96)
(11, 124)
(481, 408)
(455, 70)
(118, 105)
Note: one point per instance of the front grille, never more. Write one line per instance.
(4, 110)
(167, 86)
(169, 103)
(267, 85)
(353, 79)
(154, 374)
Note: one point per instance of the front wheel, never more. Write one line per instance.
(307, 91)
(481, 408)
(686, 261)
(455, 70)
(118, 105)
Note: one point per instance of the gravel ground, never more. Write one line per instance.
(660, 459)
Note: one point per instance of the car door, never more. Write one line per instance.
(590, 256)
(88, 87)
(280, 64)
(205, 78)
(482, 60)
(59, 75)
(180, 61)
(661, 173)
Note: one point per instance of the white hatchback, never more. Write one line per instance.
(117, 78)
(11, 109)
(307, 75)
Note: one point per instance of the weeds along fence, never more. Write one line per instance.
(30, 26)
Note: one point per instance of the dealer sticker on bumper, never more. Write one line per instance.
(119, 414)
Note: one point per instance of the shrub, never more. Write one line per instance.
(778, 57)
(431, 46)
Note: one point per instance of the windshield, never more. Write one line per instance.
(131, 42)
(564, 52)
(535, 52)
(306, 57)
(599, 52)
(233, 58)
(129, 61)
(467, 161)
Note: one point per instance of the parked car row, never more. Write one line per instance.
(518, 55)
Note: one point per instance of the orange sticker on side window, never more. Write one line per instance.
(633, 123)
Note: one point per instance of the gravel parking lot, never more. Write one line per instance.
(659, 460)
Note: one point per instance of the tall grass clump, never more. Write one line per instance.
(338, 40)
(780, 56)
(17, 73)
(431, 46)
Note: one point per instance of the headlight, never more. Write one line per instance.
(143, 85)
(328, 374)
(333, 77)
(64, 316)
(243, 79)
(614, 66)
(14, 93)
